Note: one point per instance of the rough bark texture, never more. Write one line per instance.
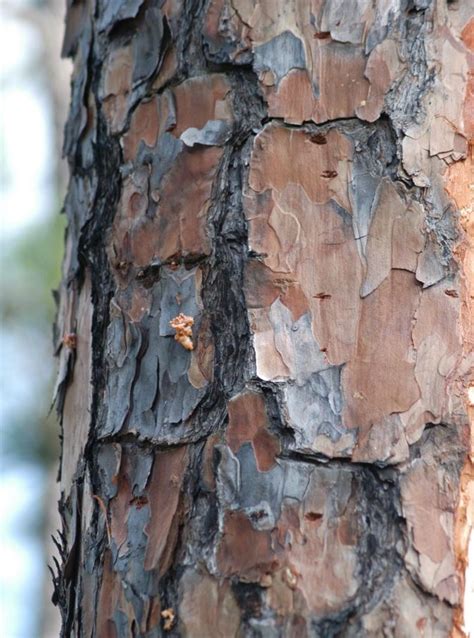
(276, 171)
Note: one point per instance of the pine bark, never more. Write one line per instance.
(263, 322)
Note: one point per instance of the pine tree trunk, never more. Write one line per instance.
(263, 323)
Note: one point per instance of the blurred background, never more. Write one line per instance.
(34, 96)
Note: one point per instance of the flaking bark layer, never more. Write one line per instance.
(274, 172)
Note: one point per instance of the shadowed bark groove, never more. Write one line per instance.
(289, 179)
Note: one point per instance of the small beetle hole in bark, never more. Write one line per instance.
(313, 516)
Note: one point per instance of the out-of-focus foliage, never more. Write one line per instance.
(30, 267)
